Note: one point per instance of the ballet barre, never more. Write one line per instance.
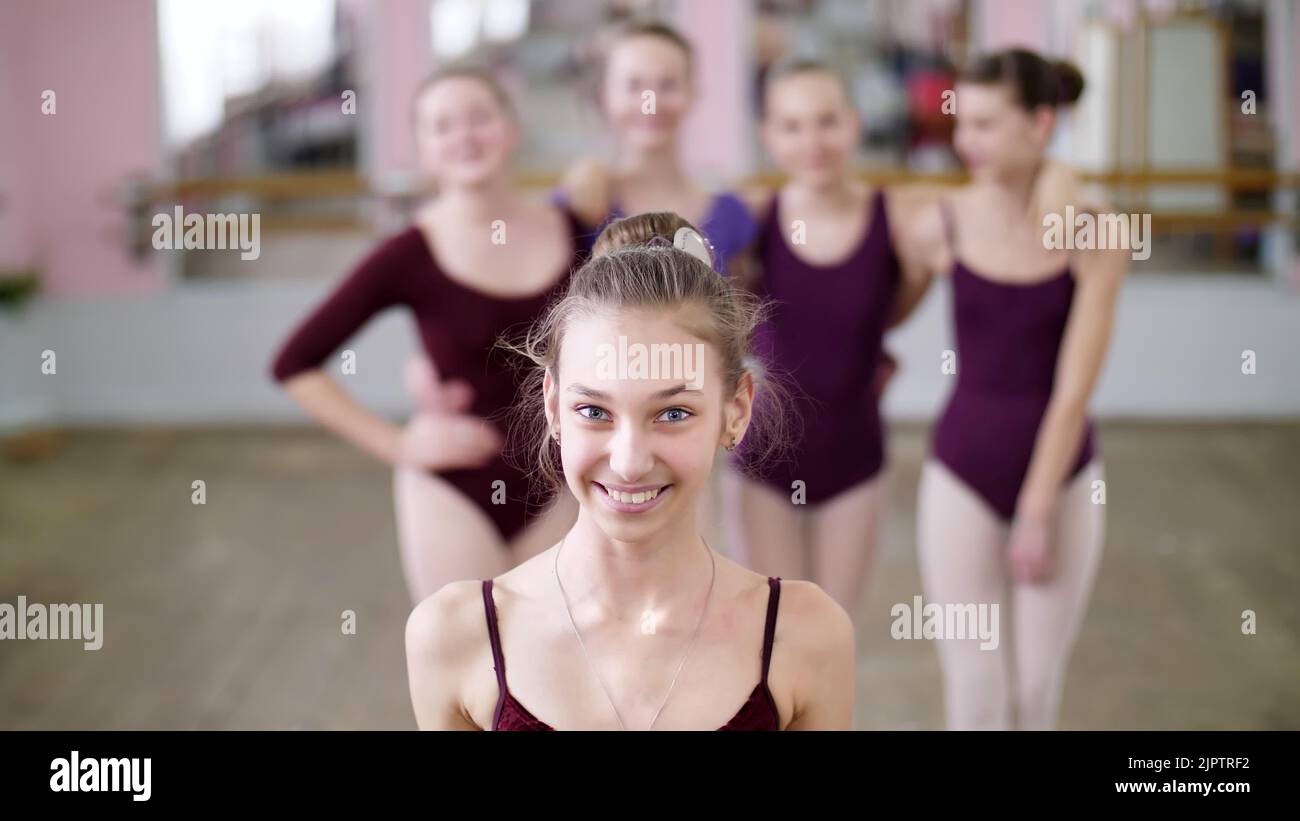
(141, 197)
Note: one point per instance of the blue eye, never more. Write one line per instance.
(596, 414)
(681, 415)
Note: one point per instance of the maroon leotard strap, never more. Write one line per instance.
(769, 630)
(498, 658)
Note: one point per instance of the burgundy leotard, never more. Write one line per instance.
(1008, 338)
(458, 327)
(825, 334)
(757, 713)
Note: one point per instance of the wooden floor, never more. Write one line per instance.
(227, 615)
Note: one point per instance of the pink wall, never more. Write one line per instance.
(59, 173)
(1007, 23)
(100, 60)
(718, 131)
(15, 181)
(398, 54)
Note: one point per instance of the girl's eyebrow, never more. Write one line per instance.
(592, 393)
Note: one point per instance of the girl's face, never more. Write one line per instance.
(810, 129)
(463, 136)
(637, 445)
(996, 137)
(647, 91)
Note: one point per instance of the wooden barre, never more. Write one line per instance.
(1168, 222)
(326, 184)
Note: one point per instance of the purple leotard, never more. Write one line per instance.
(728, 225)
(1008, 338)
(825, 335)
(458, 326)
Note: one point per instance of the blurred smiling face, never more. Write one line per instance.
(637, 450)
(810, 130)
(462, 134)
(640, 64)
(995, 135)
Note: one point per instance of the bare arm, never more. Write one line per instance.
(745, 269)
(371, 287)
(439, 645)
(325, 401)
(923, 250)
(1099, 275)
(822, 640)
(374, 285)
(587, 186)
(913, 211)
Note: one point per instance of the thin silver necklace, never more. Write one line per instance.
(713, 574)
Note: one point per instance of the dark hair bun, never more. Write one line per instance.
(1033, 79)
(1070, 81)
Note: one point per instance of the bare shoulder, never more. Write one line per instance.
(812, 621)
(922, 233)
(906, 200)
(1102, 266)
(445, 634)
(813, 659)
(448, 624)
(1108, 263)
(587, 185)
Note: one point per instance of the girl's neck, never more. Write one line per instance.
(628, 580)
(657, 169)
(843, 193)
(1011, 192)
(493, 200)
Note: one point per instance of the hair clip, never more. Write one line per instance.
(689, 240)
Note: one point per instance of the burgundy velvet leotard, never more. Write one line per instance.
(458, 327)
(1008, 338)
(825, 334)
(757, 713)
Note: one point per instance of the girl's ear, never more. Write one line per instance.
(738, 410)
(551, 400)
(1044, 118)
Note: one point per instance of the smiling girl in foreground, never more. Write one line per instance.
(632, 621)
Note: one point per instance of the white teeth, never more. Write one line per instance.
(632, 498)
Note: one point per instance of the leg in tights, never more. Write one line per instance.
(1047, 616)
(844, 532)
(768, 528)
(961, 547)
(443, 536)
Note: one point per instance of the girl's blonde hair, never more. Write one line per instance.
(635, 266)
